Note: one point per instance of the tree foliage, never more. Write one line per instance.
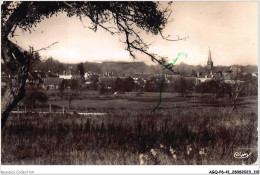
(216, 87)
(94, 81)
(153, 85)
(81, 70)
(129, 84)
(127, 17)
(33, 95)
(119, 84)
(183, 86)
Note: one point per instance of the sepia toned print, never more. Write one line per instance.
(129, 83)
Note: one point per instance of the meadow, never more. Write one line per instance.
(182, 131)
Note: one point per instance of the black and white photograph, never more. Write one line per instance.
(129, 83)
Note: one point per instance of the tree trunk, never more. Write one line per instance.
(18, 62)
(10, 99)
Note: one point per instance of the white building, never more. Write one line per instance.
(65, 76)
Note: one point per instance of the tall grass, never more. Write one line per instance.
(121, 138)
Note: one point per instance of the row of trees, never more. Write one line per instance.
(180, 85)
(221, 89)
(233, 90)
(218, 88)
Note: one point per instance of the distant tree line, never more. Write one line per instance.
(184, 86)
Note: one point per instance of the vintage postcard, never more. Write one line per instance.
(129, 83)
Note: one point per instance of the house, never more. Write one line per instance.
(218, 75)
(87, 75)
(227, 76)
(34, 79)
(202, 79)
(52, 75)
(52, 83)
(203, 76)
(67, 77)
(109, 74)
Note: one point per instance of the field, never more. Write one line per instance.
(182, 131)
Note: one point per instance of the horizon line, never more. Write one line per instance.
(100, 62)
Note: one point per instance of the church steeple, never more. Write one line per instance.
(210, 62)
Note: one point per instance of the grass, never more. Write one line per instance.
(146, 102)
(122, 136)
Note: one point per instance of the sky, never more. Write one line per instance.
(229, 29)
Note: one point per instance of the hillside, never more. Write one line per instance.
(126, 68)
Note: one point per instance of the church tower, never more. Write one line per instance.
(210, 62)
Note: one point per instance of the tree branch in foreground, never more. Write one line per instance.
(45, 48)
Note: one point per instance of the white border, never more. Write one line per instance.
(125, 169)
(133, 169)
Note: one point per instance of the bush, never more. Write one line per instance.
(33, 95)
(183, 86)
(217, 88)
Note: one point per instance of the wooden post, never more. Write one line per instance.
(63, 110)
(25, 109)
(50, 107)
(18, 113)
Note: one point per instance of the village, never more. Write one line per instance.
(73, 79)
